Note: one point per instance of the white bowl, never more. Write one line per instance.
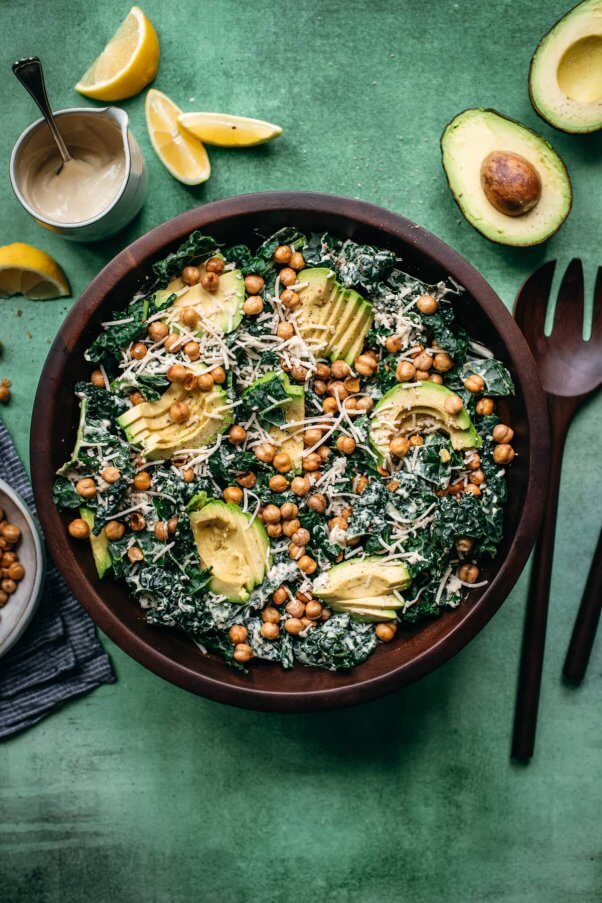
(18, 611)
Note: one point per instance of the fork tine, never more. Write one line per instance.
(568, 316)
(597, 311)
(532, 300)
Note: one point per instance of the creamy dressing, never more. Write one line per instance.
(84, 186)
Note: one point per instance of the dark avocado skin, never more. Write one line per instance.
(547, 143)
(534, 102)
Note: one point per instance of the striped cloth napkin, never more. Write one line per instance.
(59, 656)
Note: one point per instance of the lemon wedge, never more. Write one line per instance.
(184, 156)
(228, 131)
(25, 270)
(127, 64)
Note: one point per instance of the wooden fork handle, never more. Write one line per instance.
(586, 623)
(536, 617)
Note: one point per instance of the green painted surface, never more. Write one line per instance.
(142, 792)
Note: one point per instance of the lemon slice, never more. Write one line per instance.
(228, 131)
(25, 270)
(184, 156)
(127, 64)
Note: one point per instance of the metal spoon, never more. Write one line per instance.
(30, 74)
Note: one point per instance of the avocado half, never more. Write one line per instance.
(467, 140)
(565, 78)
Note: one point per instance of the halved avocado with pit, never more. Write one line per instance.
(509, 183)
(565, 78)
(234, 546)
(404, 405)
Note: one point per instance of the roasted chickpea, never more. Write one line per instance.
(288, 277)
(300, 485)
(426, 304)
(270, 615)
(301, 537)
(307, 564)
(453, 404)
(8, 586)
(278, 483)
(385, 631)
(161, 531)
(323, 371)
(238, 633)
(254, 285)
(436, 378)
(415, 440)
(468, 573)
(393, 344)
(215, 265)
(86, 488)
(317, 502)
(247, 480)
(366, 365)
(346, 445)
(173, 342)
(219, 375)
(177, 373)
(142, 481)
(135, 554)
(295, 608)
(210, 282)
(279, 596)
(365, 403)
(312, 436)
(282, 462)
(270, 631)
(295, 552)
(78, 529)
(233, 494)
(330, 406)
(111, 474)
(320, 387)
(293, 625)
(274, 531)
(399, 447)
(474, 383)
(313, 609)
(3, 596)
(237, 434)
(188, 475)
(423, 361)
(297, 261)
(253, 306)
(472, 489)
(283, 253)
(324, 452)
(138, 351)
(271, 514)
(291, 526)
(97, 379)
(340, 369)
(205, 382)
(191, 275)
(114, 531)
(360, 483)
(464, 544)
(299, 373)
(265, 452)
(485, 407)
(503, 453)
(312, 462)
(502, 434)
(290, 299)
(337, 389)
(137, 522)
(285, 330)
(192, 350)
(242, 652)
(477, 477)
(442, 362)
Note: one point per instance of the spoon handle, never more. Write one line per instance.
(30, 74)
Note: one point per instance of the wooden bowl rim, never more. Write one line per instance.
(482, 607)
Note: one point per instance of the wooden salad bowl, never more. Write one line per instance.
(415, 651)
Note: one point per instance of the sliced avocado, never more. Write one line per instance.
(290, 440)
(330, 315)
(357, 579)
(149, 424)
(565, 79)
(99, 544)
(222, 308)
(360, 613)
(421, 400)
(234, 546)
(468, 141)
(78, 439)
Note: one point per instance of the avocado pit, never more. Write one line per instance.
(511, 184)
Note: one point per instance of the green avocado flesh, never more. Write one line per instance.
(403, 406)
(150, 426)
(221, 310)
(99, 544)
(234, 547)
(367, 590)
(468, 140)
(565, 79)
(333, 319)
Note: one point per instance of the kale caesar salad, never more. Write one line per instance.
(289, 453)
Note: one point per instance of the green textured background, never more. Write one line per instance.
(140, 792)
